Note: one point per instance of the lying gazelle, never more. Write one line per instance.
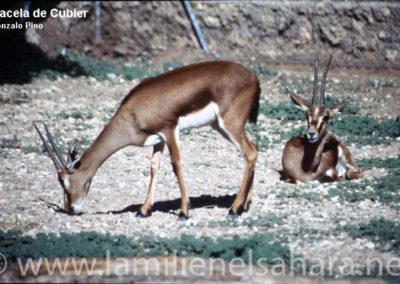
(317, 155)
(222, 94)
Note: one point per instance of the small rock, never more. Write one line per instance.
(55, 89)
(365, 204)
(111, 76)
(333, 33)
(335, 198)
(212, 22)
(391, 54)
(370, 245)
(382, 14)
(382, 35)
(67, 225)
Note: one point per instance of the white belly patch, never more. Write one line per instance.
(341, 165)
(341, 170)
(205, 116)
(154, 139)
(200, 118)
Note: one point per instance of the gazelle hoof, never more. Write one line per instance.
(182, 216)
(353, 175)
(247, 206)
(236, 211)
(142, 214)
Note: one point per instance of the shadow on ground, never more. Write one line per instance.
(224, 201)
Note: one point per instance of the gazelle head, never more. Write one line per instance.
(317, 115)
(73, 182)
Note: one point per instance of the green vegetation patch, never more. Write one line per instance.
(349, 126)
(261, 140)
(351, 109)
(288, 111)
(381, 83)
(296, 131)
(359, 130)
(75, 114)
(77, 64)
(390, 163)
(384, 189)
(282, 111)
(299, 84)
(14, 143)
(90, 244)
(263, 222)
(262, 70)
(384, 233)
(366, 126)
(298, 193)
(363, 130)
(10, 143)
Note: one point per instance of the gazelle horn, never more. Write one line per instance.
(53, 151)
(323, 82)
(53, 144)
(315, 89)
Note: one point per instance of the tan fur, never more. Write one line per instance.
(153, 109)
(304, 161)
(316, 155)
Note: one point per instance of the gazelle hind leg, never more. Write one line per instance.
(235, 134)
(352, 170)
(250, 155)
(145, 209)
(243, 198)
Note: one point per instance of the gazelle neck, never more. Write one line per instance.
(312, 154)
(107, 143)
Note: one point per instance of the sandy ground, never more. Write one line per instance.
(31, 195)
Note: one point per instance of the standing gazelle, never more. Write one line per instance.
(221, 94)
(316, 155)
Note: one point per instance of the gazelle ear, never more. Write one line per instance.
(333, 110)
(299, 102)
(74, 155)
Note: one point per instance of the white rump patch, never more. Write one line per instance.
(200, 118)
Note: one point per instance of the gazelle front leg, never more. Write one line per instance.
(353, 171)
(173, 147)
(145, 209)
